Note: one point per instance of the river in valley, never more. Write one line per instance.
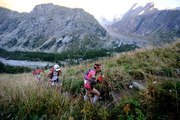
(24, 63)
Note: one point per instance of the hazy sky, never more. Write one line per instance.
(98, 8)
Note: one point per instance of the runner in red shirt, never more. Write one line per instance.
(37, 74)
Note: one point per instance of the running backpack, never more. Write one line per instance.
(86, 74)
(52, 71)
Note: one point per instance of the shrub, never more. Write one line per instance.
(73, 86)
(162, 101)
(128, 109)
(116, 78)
(137, 74)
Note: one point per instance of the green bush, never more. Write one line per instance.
(166, 71)
(91, 112)
(137, 74)
(162, 101)
(128, 109)
(73, 86)
(116, 78)
(76, 86)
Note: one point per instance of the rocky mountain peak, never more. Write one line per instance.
(150, 23)
(177, 8)
(139, 10)
(52, 28)
(149, 5)
(48, 8)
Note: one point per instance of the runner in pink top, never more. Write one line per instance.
(90, 81)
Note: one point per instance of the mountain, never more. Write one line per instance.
(177, 8)
(51, 28)
(9, 20)
(105, 22)
(150, 23)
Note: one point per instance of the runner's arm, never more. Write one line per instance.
(49, 74)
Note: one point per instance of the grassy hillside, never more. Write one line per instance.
(21, 97)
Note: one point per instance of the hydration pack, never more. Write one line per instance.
(52, 71)
(86, 74)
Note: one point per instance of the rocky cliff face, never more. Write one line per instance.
(9, 20)
(51, 28)
(177, 8)
(150, 23)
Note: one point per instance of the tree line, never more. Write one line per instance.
(55, 57)
(13, 69)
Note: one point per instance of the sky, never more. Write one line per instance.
(99, 8)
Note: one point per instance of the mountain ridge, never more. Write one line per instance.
(148, 22)
(53, 28)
